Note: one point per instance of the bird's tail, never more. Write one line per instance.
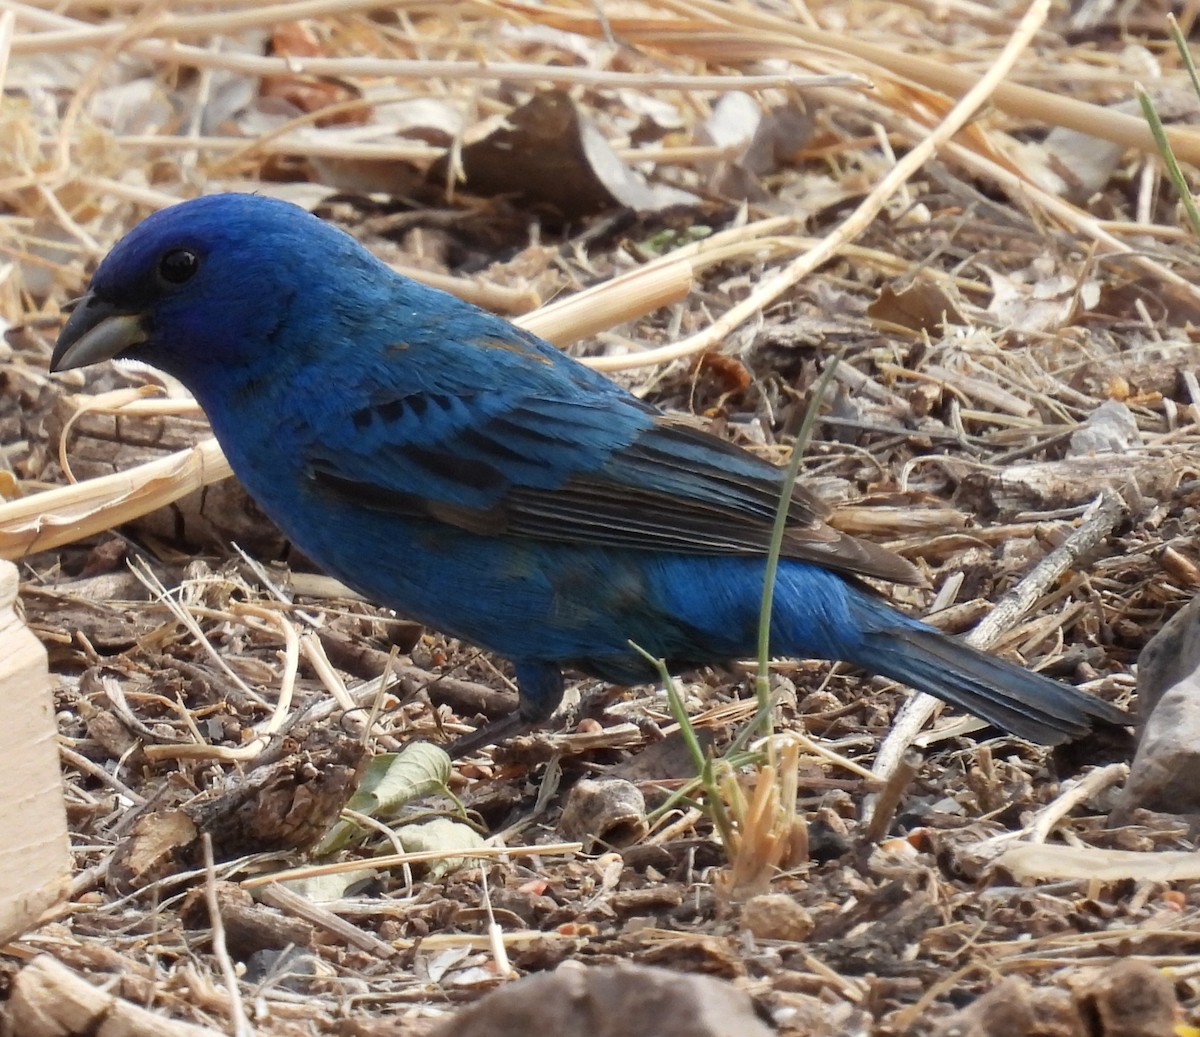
(1012, 698)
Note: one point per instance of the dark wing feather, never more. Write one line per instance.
(677, 488)
(580, 466)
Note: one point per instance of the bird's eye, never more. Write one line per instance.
(178, 265)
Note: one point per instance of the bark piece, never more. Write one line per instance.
(290, 799)
(49, 1000)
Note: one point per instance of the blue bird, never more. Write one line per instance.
(471, 476)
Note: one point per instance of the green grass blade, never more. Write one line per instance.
(1168, 157)
(762, 685)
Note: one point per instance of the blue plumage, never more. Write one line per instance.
(472, 476)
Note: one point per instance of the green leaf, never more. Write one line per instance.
(391, 781)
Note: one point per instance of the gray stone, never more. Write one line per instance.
(610, 1001)
(1110, 428)
(1165, 774)
(1169, 656)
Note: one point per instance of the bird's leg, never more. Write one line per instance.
(541, 689)
(490, 734)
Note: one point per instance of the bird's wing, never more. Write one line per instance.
(549, 451)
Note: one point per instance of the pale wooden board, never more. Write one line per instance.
(35, 862)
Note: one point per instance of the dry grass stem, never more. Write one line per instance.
(398, 860)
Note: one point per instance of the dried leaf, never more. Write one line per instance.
(441, 835)
(926, 305)
(547, 153)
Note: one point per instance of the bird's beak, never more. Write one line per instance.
(96, 331)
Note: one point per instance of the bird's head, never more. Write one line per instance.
(213, 285)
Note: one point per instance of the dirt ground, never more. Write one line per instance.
(1014, 410)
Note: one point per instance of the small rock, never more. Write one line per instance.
(776, 916)
(1015, 1009)
(1006, 1009)
(610, 1001)
(1128, 999)
(292, 969)
(1110, 428)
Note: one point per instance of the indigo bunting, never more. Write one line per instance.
(470, 475)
